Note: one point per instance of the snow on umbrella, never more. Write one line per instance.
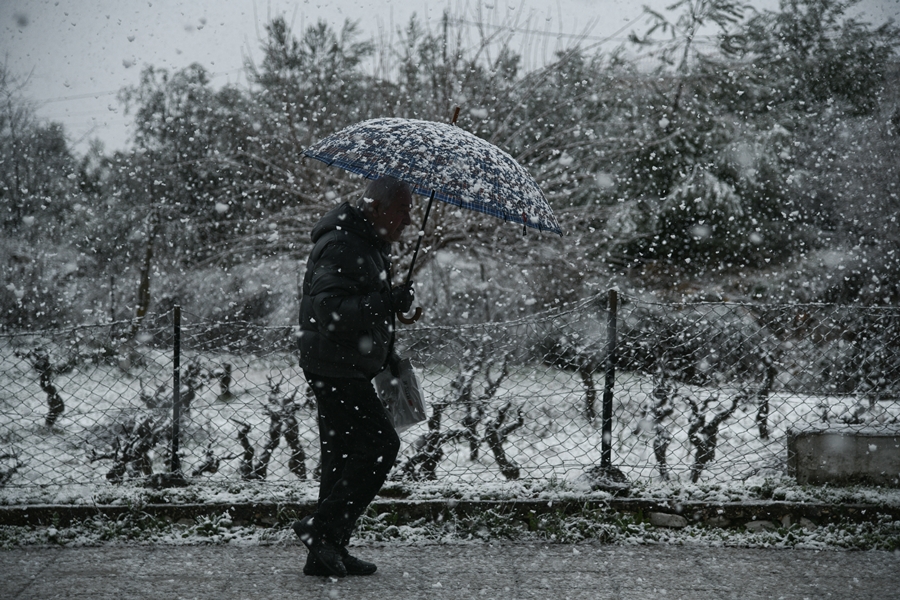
(443, 161)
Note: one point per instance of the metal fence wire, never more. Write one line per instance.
(702, 392)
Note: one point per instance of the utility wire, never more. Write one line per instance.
(77, 97)
(552, 34)
(114, 92)
(556, 34)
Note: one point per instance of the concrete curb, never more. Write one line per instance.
(728, 514)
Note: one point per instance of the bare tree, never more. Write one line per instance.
(656, 412)
(11, 467)
(473, 363)
(429, 452)
(210, 463)
(429, 448)
(282, 422)
(192, 380)
(223, 376)
(131, 448)
(495, 435)
(143, 293)
(762, 395)
(703, 433)
(40, 362)
(585, 360)
(463, 386)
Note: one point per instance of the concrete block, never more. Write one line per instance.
(718, 521)
(757, 526)
(658, 519)
(844, 456)
(807, 524)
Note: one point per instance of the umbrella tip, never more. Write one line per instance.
(455, 116)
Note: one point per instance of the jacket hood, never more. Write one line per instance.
(346, 218)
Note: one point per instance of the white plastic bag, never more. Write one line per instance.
(401, 396)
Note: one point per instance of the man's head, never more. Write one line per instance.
(386, 205)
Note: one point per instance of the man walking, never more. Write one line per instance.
(346, 338)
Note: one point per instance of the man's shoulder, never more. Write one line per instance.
(348, 250)
(343, 219)
(341, 237)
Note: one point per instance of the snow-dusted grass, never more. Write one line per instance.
(756, 489)
(615, 528)
(588, 525)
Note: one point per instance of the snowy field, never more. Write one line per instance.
(554, 444)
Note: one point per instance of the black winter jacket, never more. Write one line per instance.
(346, 321)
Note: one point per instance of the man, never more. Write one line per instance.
(346, 338)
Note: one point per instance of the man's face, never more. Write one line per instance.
(391, 221)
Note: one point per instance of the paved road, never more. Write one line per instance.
(483, 571)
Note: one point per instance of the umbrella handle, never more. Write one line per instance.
(410, 320)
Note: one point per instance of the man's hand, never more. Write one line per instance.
(402, 297)
(394, 364)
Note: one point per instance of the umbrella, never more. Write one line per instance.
(443, 161)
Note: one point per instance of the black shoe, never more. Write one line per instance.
(353, 565)
(356, 566)
(327, 554)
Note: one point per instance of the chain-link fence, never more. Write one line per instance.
(702, 392)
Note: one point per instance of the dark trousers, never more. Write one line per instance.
(359, 446)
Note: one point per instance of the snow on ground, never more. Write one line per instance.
(553, 447)
(555, 444)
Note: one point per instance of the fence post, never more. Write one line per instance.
(174, 478)
(609, 380)
(605, 476)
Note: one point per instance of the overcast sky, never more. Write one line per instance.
(77, 54)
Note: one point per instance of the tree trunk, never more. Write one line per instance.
(143, 295)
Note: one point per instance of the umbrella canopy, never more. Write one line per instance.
(442, 161)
